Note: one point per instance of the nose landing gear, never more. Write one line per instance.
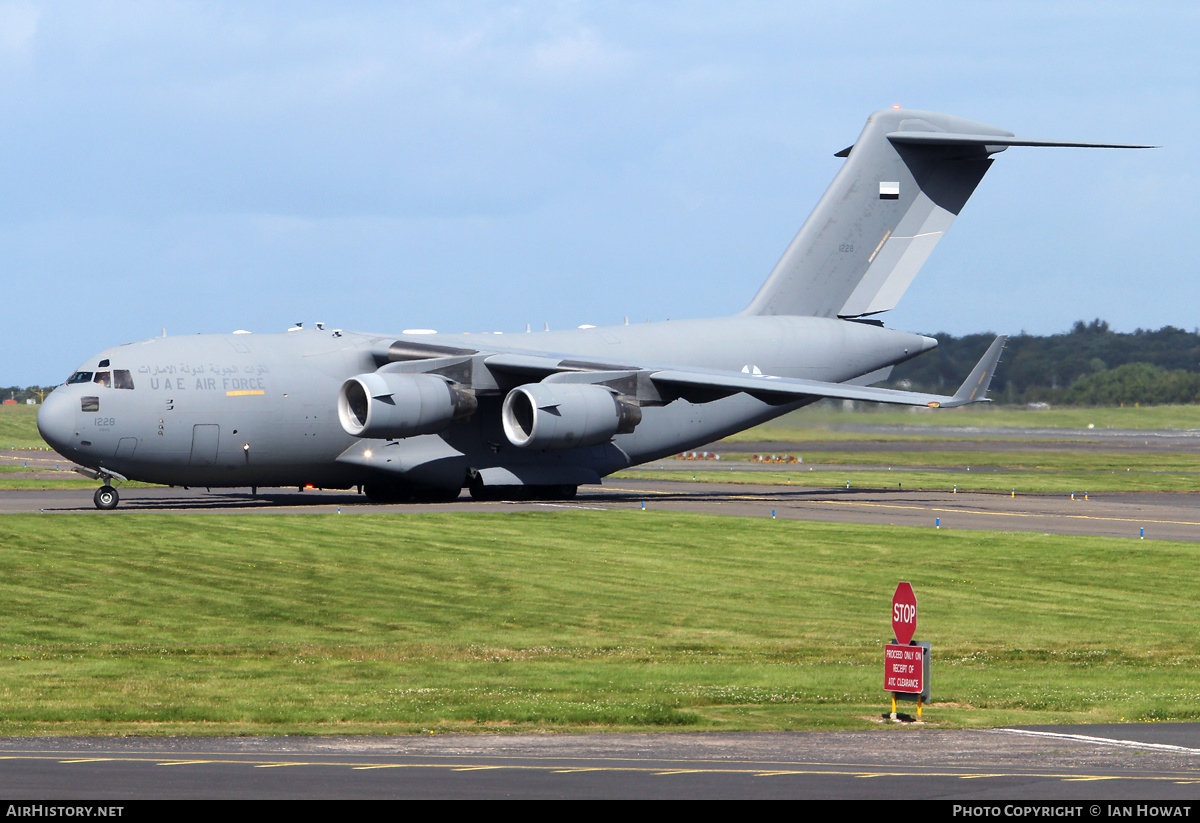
(106, 497)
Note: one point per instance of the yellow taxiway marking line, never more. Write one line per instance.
(188, 762)
(278, 765)
(380, 766)
(934, 774)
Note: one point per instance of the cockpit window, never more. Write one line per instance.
(118, 378)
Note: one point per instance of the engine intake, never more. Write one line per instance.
(392, 406)
(566, 415)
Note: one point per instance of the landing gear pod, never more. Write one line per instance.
(392, 406)
(566, 415)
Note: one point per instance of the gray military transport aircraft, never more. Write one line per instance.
(420, 416)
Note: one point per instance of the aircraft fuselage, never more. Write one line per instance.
(242, 410)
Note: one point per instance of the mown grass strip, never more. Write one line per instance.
(150, 623)
(989, 415)
(1043, 461)
(1036, 460)
(18, 427)
(944, 480)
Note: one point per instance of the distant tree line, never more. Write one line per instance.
(1090, 365)
(19, 394)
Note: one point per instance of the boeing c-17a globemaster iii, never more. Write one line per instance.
(421, 416)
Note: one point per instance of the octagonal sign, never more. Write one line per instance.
(904, 613)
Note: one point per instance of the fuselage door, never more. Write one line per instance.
(204, 444)
(126, 447)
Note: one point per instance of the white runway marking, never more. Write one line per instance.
(1101, 741)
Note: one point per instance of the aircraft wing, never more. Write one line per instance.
(700, 385)
(782, 389)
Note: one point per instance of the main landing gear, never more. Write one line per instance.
(382, 492)
(479, 491)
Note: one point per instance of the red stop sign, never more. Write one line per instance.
(904, 613)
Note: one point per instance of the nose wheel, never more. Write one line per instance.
(106, 497)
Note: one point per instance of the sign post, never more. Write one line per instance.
(906, 662)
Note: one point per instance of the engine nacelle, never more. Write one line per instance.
(566, 415)
(391, 406)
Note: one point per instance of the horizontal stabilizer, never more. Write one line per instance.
(934, 138)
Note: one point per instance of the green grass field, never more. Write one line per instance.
(18, 428)
(316, 624)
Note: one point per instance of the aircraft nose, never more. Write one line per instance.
(56, 419)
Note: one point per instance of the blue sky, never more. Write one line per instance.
(211, 166)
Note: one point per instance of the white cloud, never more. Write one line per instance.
(18, 27)
(580, 53)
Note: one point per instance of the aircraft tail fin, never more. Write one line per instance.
(905, 179)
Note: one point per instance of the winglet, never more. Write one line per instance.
(974, 388)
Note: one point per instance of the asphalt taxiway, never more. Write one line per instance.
(1032, 765)
(1152, 515)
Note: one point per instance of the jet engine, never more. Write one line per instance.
(391, 406)
(566, 415)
